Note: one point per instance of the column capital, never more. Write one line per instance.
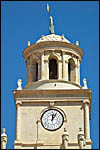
(86, 101)
(66, 61)
(46, 61)
(18, 103)
(59, 61)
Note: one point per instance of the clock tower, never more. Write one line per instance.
(53, 110)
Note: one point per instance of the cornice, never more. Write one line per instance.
(58, 44)
(56, 94)
(54, 91)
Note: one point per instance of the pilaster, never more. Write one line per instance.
(46, 69)
(78, 69)
(59, 69)
(42, 66)
(18, 120)
(65, 67)
(39, 67)
(86, 120)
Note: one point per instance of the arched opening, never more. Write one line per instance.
(36, 71)
(52, 69)
(71, 70)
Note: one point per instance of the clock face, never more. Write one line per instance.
(52, 119)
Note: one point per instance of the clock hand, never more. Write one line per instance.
(53, 116)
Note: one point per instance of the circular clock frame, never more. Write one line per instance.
(50, 121)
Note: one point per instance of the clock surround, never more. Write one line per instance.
(52, 119)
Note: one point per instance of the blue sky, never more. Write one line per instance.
(28, 20)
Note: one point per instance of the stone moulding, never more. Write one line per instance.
(52, 44)
(50, 81)
(51, 94)
(34, 144)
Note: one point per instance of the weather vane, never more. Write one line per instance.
(50, 21)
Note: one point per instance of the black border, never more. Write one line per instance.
(50, 129)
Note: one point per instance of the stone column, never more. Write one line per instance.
(39, 67)
(59, 69)
(42, 66)
(3, 139)
(31, 69)
(29, 73)
(46, 67)
(39, 142)
(33, 72)
(86, 120)
(26, 62)
(18, 121)
(65, 139)
(74, 71)
(28, 68)
(78, 70)
(65, 67)
(81, 139)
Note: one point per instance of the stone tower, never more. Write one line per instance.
(53, 110)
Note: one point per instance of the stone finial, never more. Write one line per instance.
(4, 130)
(84, 84)
(77, 43)
(28, 43)
(62, 36)
(19, 84)
(81, 139)
(42, 37)
(3, 139)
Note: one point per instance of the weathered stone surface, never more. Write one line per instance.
(61, 91)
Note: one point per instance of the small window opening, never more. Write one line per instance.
(69, 71)
(36, 71)
(52, 69)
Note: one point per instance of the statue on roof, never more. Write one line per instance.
(50, 21)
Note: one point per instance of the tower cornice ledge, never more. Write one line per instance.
(60, 45)
(56, 91)
(83, 93)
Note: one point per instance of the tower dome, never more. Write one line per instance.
(53, 37)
